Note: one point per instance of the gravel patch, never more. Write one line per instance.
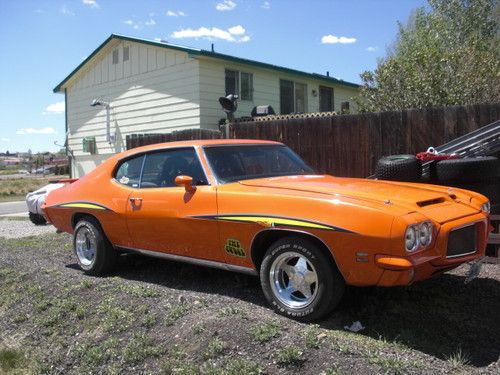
(23, 228)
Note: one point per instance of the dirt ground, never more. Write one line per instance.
(152, 316)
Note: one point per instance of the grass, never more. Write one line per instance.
(458, 359)
(264, 332)
(215, 347)
(19, 187)
(289, 356)
(312, 337)
(141, 347)
(11, 359)
(175, 312)
(389, 365)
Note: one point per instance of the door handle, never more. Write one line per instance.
(133, 200)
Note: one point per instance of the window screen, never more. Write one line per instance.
(325, 99)
(115, 56)
(126, 53)
(246, 86)
(232, 84)
(300, 98)
(286, 96)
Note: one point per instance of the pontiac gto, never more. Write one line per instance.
(255, 207)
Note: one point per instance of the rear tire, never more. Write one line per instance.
(37, 219)
(299, 280)
(399, 168)
(94, 253)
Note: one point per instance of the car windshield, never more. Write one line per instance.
(244, 162)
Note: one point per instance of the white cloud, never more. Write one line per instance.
(55, 108)
(5, 139)
(128, 22)
(332, 39)
(236, 30)
(91, 3)
(151, 22)
(172, 13)
(233, 34)
(39, 11)
(266, 5)
(36, 131)
(64, 10)
(225, 5)
(372, 49)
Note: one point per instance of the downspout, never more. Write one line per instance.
(68, 153)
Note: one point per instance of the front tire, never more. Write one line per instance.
(94, 253)
(299, 280)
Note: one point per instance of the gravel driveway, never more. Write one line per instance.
(23, 228)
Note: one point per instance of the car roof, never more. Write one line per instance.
(199, 143)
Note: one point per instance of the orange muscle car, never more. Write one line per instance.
(255, 207)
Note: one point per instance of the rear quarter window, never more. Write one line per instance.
(129, 172)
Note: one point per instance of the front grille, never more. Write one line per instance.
(462, 241)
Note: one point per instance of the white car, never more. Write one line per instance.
(36, 199)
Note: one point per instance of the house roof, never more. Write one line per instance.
(202, 52)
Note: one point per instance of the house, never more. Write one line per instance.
(143, 86)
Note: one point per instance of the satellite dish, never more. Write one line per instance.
(229, 103)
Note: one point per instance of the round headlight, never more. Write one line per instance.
(425, 233)
(486, 207)
(411, 239)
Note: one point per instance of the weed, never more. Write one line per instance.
(175, 312)
(141, 347)
(215, 347)
(115, 318)
(86, 284)
(394, 366)
(232, 310)
(265, 332)
(10, 359)
(240, 366)
(289, 356)
(311, 337)
(149, 320)
(458, 359)
(198, 328)
(20, 318)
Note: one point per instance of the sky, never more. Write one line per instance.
(43, 41)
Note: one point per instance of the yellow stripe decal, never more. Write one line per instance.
(82, 205)
(275, 221)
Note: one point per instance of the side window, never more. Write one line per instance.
(129, 172)
(161, 168)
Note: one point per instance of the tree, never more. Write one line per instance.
(449, 55)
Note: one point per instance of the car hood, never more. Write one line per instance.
(407, 197)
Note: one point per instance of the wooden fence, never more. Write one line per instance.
(350, 145)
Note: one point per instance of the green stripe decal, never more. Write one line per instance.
(86, 205)
(271, 221)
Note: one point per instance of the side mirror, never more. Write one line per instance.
(186, 181)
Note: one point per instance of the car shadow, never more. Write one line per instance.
(441, 317)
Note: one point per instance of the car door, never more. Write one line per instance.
(164, 217)
(125, 182)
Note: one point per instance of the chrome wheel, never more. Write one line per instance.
(86, 246)
(294, 280)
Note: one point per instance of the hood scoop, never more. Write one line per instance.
(430, 202)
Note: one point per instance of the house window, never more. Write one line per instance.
(325, 99)
(246, 86)
(126, 53)
(293, 97)
(115, 56)
(239, 83)
(232, 82)
(300, 98)
(344, 108)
